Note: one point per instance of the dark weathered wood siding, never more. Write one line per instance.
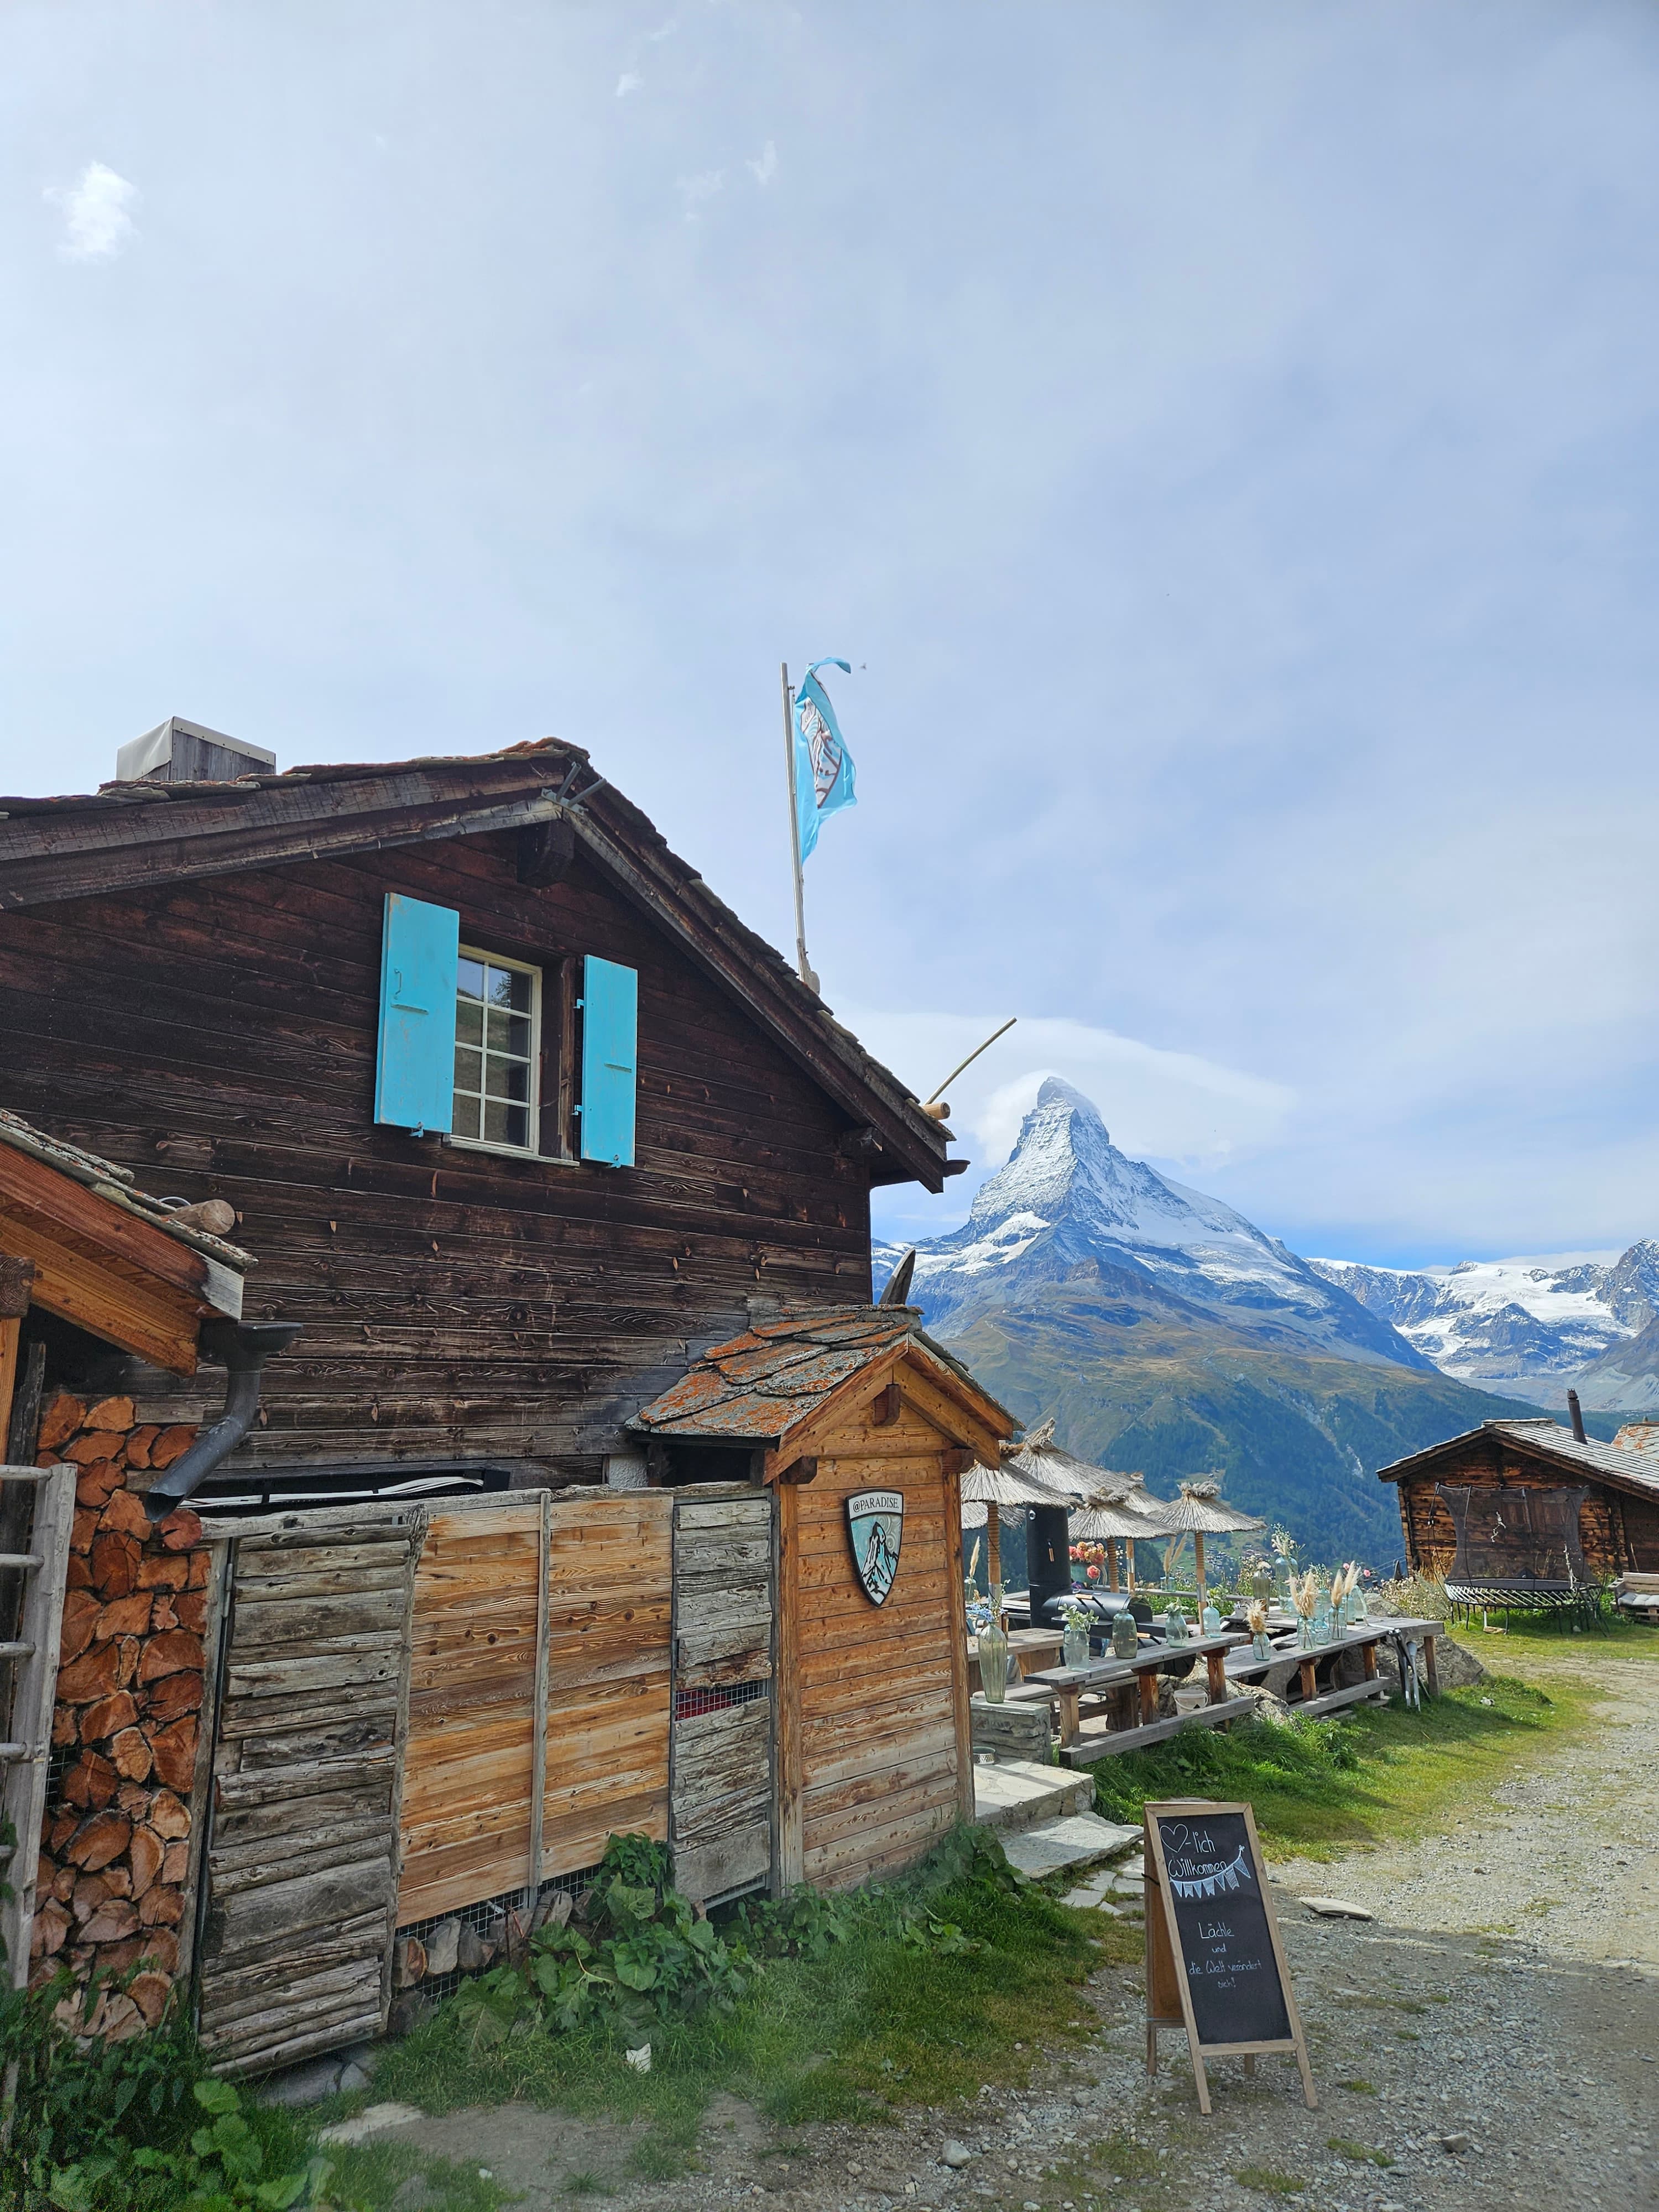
(1431, 1540)
(218, 1037)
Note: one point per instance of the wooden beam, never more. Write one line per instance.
(961, 1696)
(791, 1857)
(130, 847)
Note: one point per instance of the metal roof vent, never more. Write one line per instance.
(177, 751)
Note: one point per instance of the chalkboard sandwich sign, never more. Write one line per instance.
(1214, 1963)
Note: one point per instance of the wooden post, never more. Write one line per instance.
(1198, 1560)
(1111, 1563)
(16, 1280)
(961, 1688)
(790, 1844)
(801, 960)
(992, 1547)
(538, 1706)
(1129, 1556)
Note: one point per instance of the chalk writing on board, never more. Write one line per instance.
(1225, 1941)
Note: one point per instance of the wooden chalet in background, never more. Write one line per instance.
(1530, 1502)
(544, 1526)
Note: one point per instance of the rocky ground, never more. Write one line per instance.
(1491, 2036)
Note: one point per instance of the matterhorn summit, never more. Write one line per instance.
(1067, 1204)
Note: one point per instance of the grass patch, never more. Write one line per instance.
(1358, 2088)
(872, 2026)
(1271, 2180)
(1321, 1787)
(1361, 2153)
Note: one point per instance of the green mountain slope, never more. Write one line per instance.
(1298, 1436)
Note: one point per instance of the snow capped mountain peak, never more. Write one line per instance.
(1513, 1325)
(1067, 1201)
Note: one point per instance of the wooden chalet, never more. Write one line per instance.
(563, 1480)
(1527, 1511)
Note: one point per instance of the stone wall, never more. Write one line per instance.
(115, 1846)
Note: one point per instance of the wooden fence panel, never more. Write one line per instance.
(609, 1673)
(468, 1770)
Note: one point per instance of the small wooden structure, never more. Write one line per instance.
(1524, 1513)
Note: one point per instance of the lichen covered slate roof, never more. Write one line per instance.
(116, 1185)
(770, 1379)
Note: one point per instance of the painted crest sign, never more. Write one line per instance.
(875, 1528)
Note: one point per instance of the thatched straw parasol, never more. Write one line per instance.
(1127, 1513)
(985, 1489)
(1198, 1512)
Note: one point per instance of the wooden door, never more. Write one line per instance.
(721, 1792)
(300, 1884)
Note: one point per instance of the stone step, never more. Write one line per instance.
(1017, 1793)
(1080, 1840)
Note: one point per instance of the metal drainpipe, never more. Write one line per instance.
(1575, 1414)
(243, 1348)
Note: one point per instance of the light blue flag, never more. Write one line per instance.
(823, 766)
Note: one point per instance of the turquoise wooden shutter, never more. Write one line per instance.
(414, 1065)
(610, 1024)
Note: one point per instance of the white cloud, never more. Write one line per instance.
(766, 167)
(1178, 1108)
(95, 220)
(695, 190)
(627, 82)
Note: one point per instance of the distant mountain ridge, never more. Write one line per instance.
(1168, 1334)
(1522, 1327)
(1067, 1198)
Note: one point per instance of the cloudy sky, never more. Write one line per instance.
(1223, 438)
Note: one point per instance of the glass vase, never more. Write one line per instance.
(1074, 1645)
(1175, 1626)
(994, 1660)
(1126, 1637)
(1261, 1645)
(1304, 1631)
(1211, 1620)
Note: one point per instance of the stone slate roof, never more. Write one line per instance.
(774, 1376)
(1548, 1440)
(116, 1186)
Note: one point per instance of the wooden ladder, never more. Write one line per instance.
(25, 1716)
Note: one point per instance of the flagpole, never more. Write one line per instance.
(801, 960)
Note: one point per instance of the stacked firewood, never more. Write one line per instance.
(115, 1850)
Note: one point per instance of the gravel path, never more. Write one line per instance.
(1491, 2038)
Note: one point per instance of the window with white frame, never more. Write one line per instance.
(498, 1011)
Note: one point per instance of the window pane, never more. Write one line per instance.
(508, 1078)
(501, 980)
(469, 1022)
(509, 1033)
(466, 1117)
(518, 1125)
(470, 978)
(469, 1069)
(495, 1122)
(519, 998)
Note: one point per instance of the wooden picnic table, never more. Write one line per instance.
(1362, 1639)
(1133, 1683)
(1028, 1648)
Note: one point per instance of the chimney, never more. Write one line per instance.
(1576, 1418)
(177, 751)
